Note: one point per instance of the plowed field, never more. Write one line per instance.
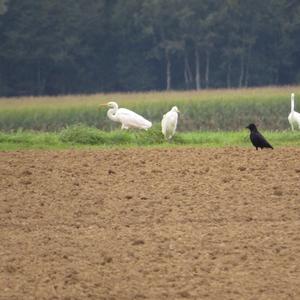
(150, 224)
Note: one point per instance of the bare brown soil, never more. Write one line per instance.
(150, 224)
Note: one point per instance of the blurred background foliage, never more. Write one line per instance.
(51, 47)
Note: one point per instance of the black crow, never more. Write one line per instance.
(257, 139)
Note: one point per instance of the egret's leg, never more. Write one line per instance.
(292, 125)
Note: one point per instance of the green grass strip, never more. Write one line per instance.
(81, 136)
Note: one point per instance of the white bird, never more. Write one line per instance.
(126, 117)
(294, 117)
(169, 123)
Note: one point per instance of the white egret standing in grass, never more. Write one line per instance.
(169, 123)
(294, 117)
(126, 117)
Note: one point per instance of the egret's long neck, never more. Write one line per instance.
(292, 103)
(111, 113)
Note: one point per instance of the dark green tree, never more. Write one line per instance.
(59, 47)
(161, 20)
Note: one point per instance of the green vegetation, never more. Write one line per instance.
(212, 110)
(30, 140)
(212, 118)
(81, 136)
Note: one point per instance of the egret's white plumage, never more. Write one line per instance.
(294, 117)
(169, 123)
(126, 117)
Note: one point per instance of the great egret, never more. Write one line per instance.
(169, 123)
(126, 117)
(294, 117)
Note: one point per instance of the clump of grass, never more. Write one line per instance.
(85, 135)
(81, 134)
(152, 136)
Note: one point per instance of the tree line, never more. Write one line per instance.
(77, 46)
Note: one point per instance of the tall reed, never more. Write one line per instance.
(203, 110)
